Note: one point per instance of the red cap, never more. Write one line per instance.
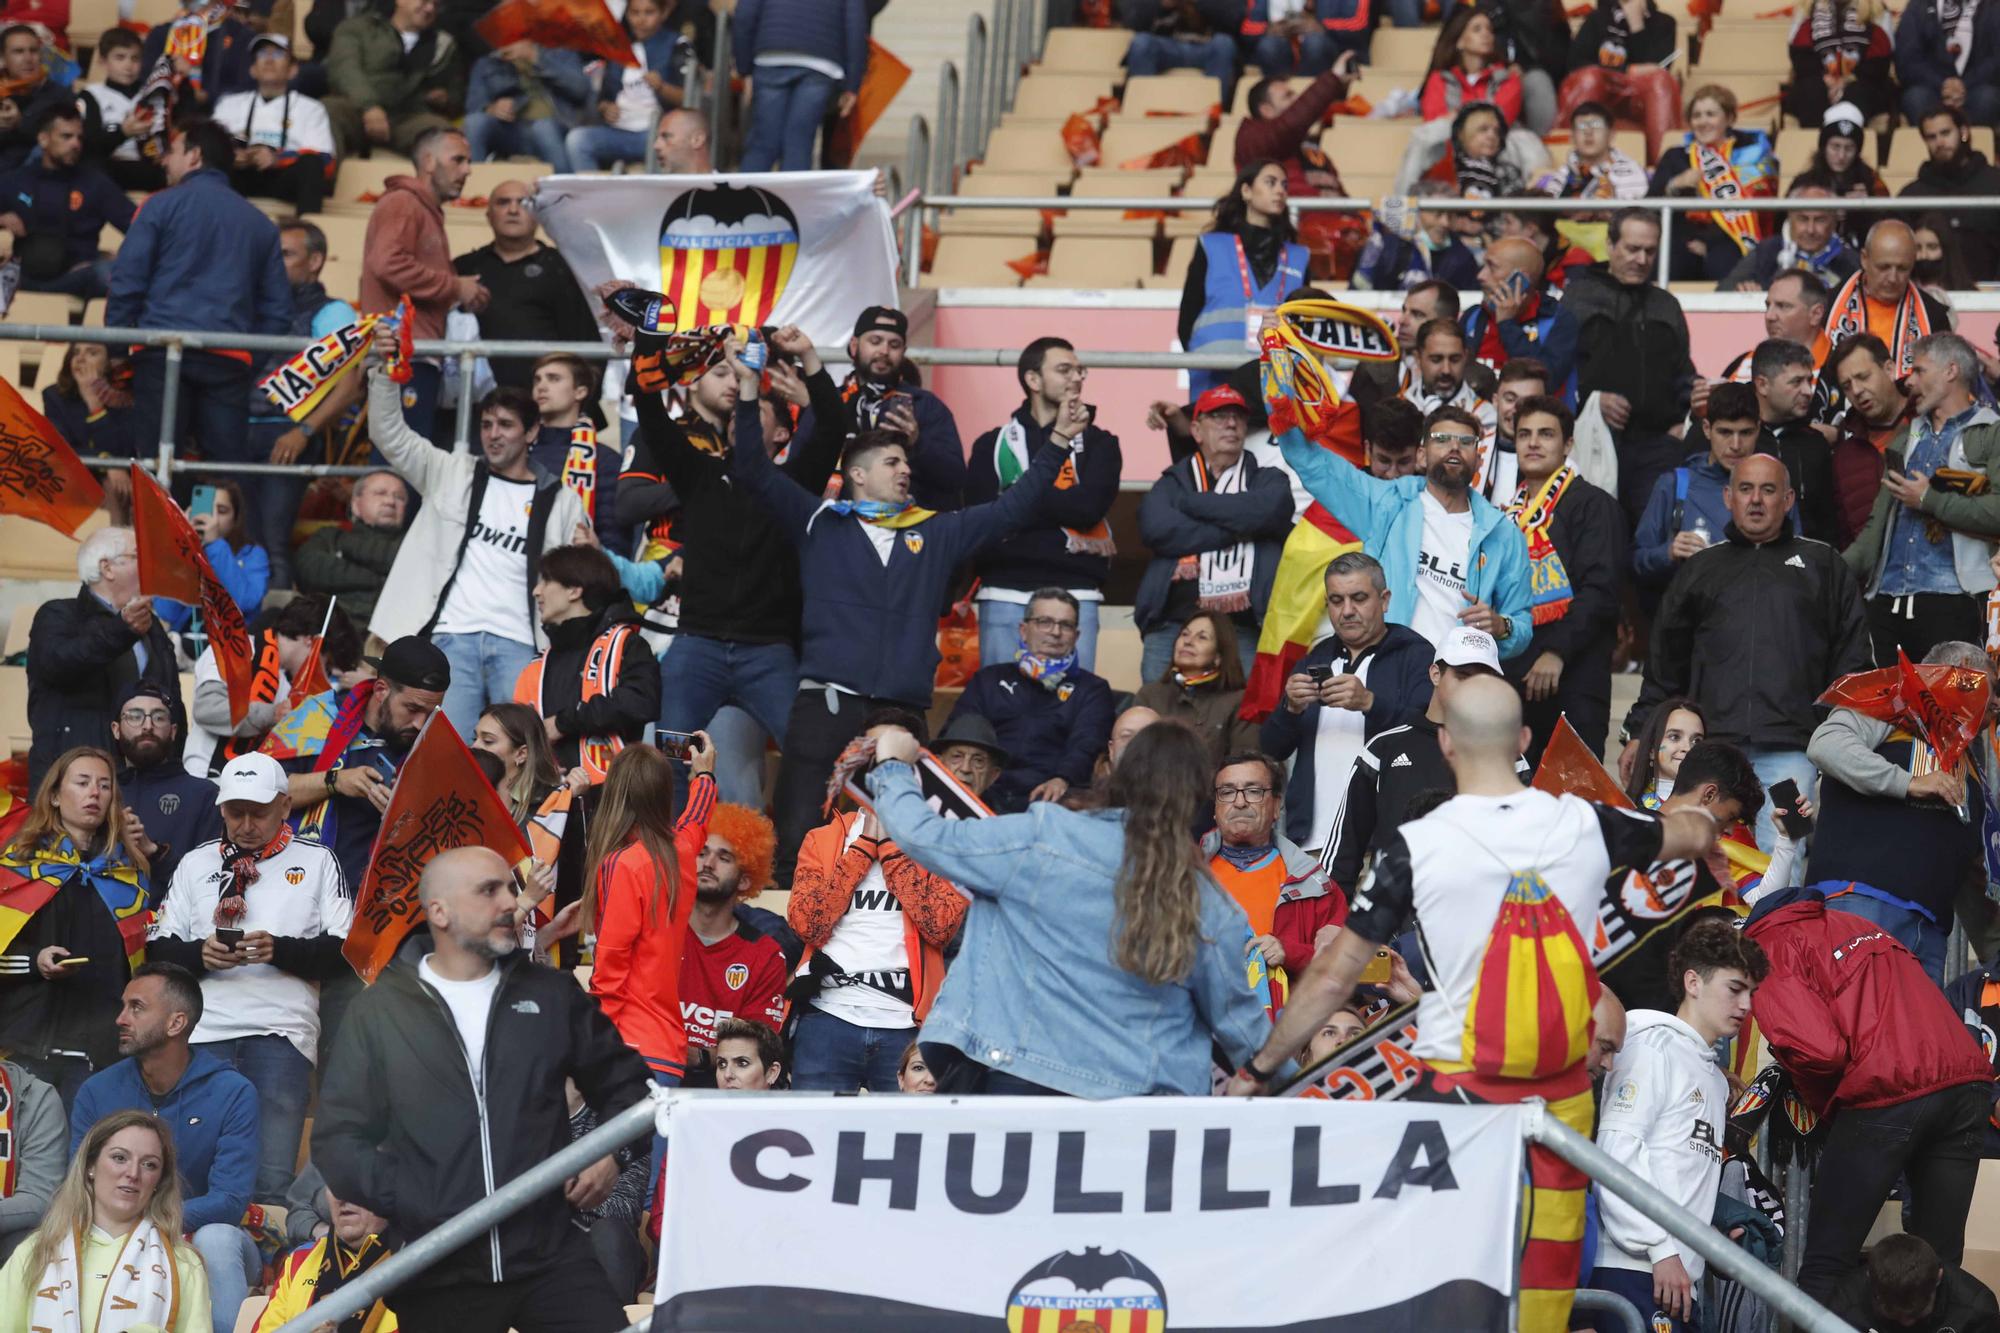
(1219, 397)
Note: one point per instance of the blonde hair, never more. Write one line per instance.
(634, 807)
(74, 1209)
(43, 828)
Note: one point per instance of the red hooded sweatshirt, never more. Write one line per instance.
(407, 251)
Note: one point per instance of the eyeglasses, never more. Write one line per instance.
(1231, 795)
(139, 717)
(1051, 623)
(1461, 441)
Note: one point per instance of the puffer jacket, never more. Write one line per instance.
(1848, 1011)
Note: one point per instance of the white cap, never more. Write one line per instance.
(1465, 646)
(251, 777)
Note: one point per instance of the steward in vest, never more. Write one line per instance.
(1246, 264)
(311, 1273)
(597, 687)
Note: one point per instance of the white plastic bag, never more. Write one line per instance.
(1595, 452)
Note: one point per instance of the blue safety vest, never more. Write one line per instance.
(1225, 319)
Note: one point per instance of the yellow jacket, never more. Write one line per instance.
(299, 1280)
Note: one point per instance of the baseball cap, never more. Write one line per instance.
(415, 663)
(1465, 646)
(1219, 398)
(144, 689)
(250, 777)
(883, 319)
(277, 39)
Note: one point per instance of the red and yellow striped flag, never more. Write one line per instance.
(1530, 1012)
(1298, 601)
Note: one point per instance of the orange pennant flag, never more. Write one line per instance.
(40, 475)
(1568, 766)
(441, 801)
(312, 678)
(171, 564)
(569, 25)
(885, 78)
(1943, 704)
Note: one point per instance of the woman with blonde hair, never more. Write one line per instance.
(83, 889)
(1117, 895)
(108, 1257)
(513, 733)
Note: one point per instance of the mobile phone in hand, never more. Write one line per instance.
(1319, 675)
(677, 744)
(1785, 809)
(1378, 970)
(72, 961)
(203, 501)
(229, 936)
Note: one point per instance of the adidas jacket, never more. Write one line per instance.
(1662, 1114)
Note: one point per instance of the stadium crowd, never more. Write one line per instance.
(1310, 810)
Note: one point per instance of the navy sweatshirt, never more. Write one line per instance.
(1046, 733)
(835, 30)
(868, 626)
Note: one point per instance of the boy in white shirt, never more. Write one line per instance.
(1665, 1105)
(284, 139)
(114, 124)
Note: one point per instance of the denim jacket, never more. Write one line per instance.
(563, 78)
(1034, 991)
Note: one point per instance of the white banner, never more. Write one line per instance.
(811, 248)
(1050, 1215)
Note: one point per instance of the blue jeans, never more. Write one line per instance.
(1982, 103)
(233, 1264)
(787, 105)
(699, 675)
(1158, 652)
(282, 1076)
(833, 1055)
(274, 501)
(1215, 57)
(492, 138)
(1637, 1288)
(1775, 765)
(1273, 54)
(1000, 631)
(739, 756)
(484, 668)
(88, 281)
(597, 147)
(1913, 930)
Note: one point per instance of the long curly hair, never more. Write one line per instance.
(1162, 781)
(755, 841)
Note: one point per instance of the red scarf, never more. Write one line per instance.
(243, 872)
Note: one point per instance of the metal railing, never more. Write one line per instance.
(635, 1122)
(944, 150)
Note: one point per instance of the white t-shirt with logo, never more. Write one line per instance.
(289, 122)
(1444, 564)
(1453, 868)
(490, 596)
(299, 894)
(869, 941)
(636, 102)
(1336, 747)
(471, 1005)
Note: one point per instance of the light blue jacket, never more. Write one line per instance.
(1388, 517)
(1034, 991)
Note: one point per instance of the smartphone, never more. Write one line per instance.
(1377, 972)
(204, 501)
(71, 962)
(229, 936)
(1319, 675)
(1517, 284)
(1785, 808)
(677, 744)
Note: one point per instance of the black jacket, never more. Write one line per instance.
(1761, 265)
(623, 711)
(1040, 557)
(1651, 45)
(534, 299)
(1177, 520)
(1809, 459)
(402, 1130)
(1754, 633)
(1978, 231)
(1631, 341)
(80, 660)
(1590, 537)
(1395, 767)
(1964, 1305)
(79, 1012)
(739, 573)
(351, 563)
(1046, 733)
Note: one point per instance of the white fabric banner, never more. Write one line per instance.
(811, 248)
(1137, 1216)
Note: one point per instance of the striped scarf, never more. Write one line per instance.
(1010, 462)
(1535, 516)
(1222, 576)
(1719, 180)
(1848, 316)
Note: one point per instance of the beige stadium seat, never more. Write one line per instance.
(1098, 262)
(10, 364)
(1175, 94)
(151, 12)
(1907, 153)
(1107, 222)
(365, 175)
(342, 280)
(1179, 255)
(1084, 50)
(1022, 222)
(14, 702)
(1134, 138)
(1028, 148)
(250, 1312)
(1631, 142)
(1362, 185)
(1058, 96)
(109, 238)
(487, 176)
(977, 261)
(1400, 51)
(1362, 147)
(42, 308)
(1743, 61)
(1214, 180)
(93, 314)
(1246, 83)
(345, 236)
(89, 19)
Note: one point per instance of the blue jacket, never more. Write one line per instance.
(1176, 520)
(1399, 676)
(166, 277)
(1042, 923)
(1046, 733)
(835, 30)
(77, 202)
(245, 573)
(176, 808)
(113, 435)
(563, 79)
(868, 626)
(1922, 60)
(212, 1112)
(1550, 338)
(1388, 517)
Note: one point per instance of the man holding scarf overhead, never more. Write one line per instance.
(1576, 548)
(1882, 300)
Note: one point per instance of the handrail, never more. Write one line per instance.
(628, 1125)
(919, 156)
(944, 146)
(1350, 204)
(724, 58)
(1588, 1299)
(972, 122)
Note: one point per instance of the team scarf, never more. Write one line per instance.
(1718, 179)
(1010, 463)
(1222, 576)
(143, 1291)
(1605, 179)
(1839, 37)
(188, 39)
(38, 873)
(1048, 672)
(265, 687)
(10, 1161)
(1611, 52)
(241, 866)
(579, 474)
(301, 382)
(1535, 516)
(1195, 680)
(1818, 262)
(346, 725)
(340, 1266)
(884, 513)
(1484, 177)
(1849, 315)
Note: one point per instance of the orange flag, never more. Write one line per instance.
(312, 677)
(441, 801)
(40, 475)
(171, 564)
(885, 78)
(1943, 704)
(1569, 766)
(571, 25)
